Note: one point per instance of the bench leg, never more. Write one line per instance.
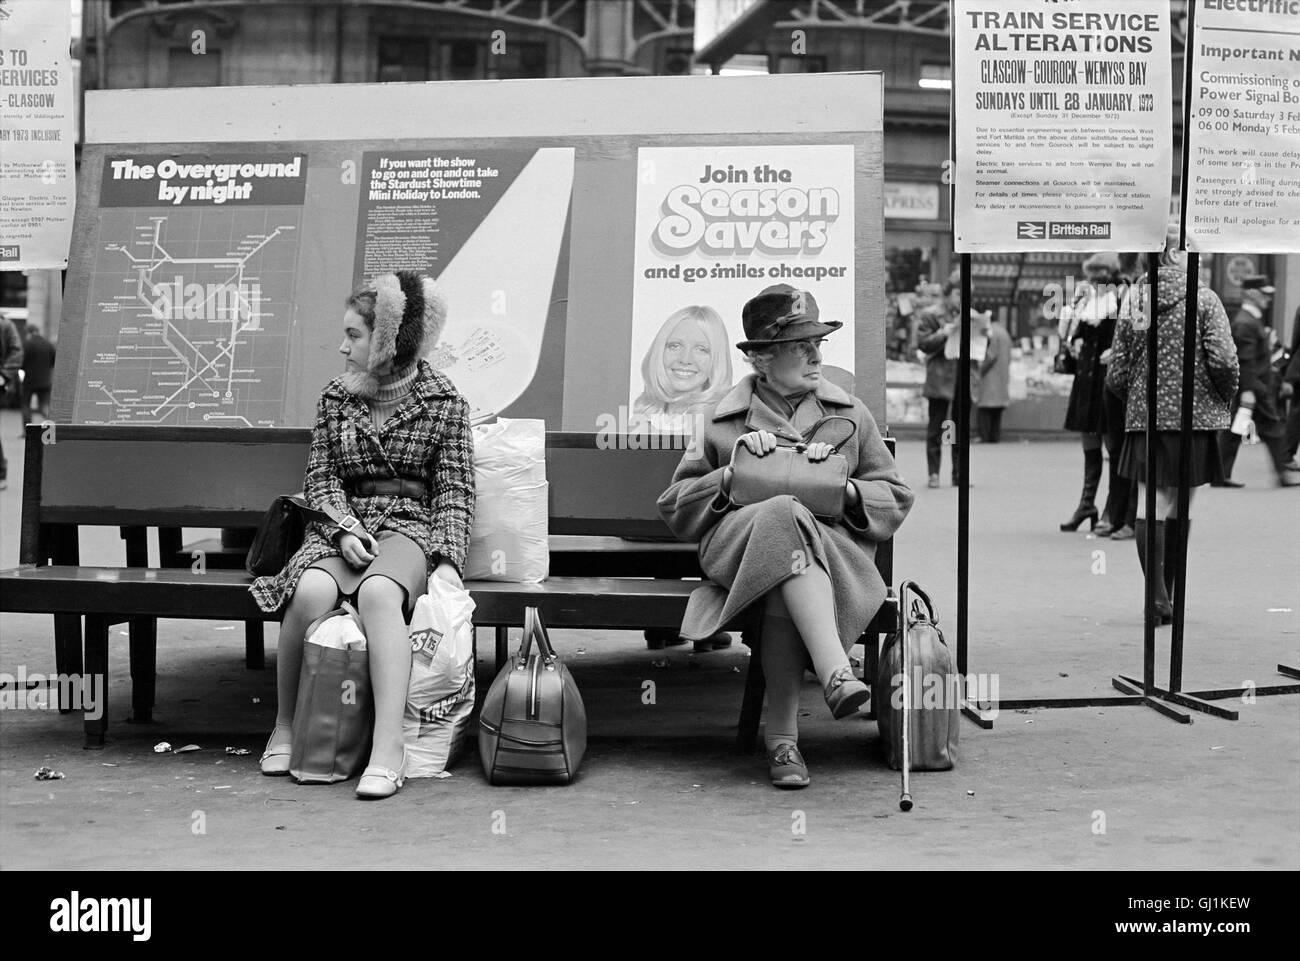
(254, 649)
(144, 662)
(95, 720)
(67, 650)
(751, 708)
(503, 649)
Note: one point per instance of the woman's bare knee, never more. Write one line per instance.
(316, 593)
(379, 594)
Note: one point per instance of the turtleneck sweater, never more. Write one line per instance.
(393, 389)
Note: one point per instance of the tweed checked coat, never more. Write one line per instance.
(746, 552)
(427, 437)
(1216, 370)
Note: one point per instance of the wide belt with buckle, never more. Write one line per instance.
(401, 486)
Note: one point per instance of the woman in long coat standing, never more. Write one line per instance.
(1093, 326)
(817, 581)
(391, 448)
(1213, 388)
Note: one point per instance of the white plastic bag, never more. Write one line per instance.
(340, 629)
(509, 539)
(440, 696)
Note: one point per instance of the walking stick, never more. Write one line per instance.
(905, 799)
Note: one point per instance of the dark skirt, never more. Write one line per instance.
(399, 558)
(1205, 467)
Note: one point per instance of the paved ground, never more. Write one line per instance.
(661, 788)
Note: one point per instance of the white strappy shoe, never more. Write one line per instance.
(379, 782)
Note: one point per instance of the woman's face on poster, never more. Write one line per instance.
(688, 359)
(356, 341)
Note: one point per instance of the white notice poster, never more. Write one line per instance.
(37, 136)
(1062, 115)
(1243, 138)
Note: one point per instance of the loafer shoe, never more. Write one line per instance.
(1124, 533)
(657, 638)
(933, 481)
(380, 782)
(275, 759)
(845, 694)
(786, 766)
(714, 642)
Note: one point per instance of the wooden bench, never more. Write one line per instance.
(613, 564)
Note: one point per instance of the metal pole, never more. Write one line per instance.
(1176, 548)
(1149, 612)
(961, 411)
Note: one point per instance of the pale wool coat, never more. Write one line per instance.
(746, 552)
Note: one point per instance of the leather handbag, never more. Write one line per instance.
(917, 656)
(334, 715)
(282, 530)
(818, 486)
(1065, 362)
(533, 726)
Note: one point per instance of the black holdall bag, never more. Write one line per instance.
(533, 726)
(915, 666)
(282, 530)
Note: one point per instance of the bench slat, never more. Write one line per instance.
(593, 602)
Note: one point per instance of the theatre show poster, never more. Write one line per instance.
(489, 225)
(1062, 115)
(1243, 136)
(714, 226)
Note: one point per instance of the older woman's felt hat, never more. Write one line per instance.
(780, 314)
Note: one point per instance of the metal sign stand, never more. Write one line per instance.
(1167, 701)
(1132, 692)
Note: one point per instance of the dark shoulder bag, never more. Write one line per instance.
(282, 531)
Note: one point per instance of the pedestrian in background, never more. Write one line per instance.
(1290, 392)
(937, 324)
(11, 361)
(1120, 510)
(38, 375)
(1096, 305)
(1260, 384)
(995, 384)
(1214, 385)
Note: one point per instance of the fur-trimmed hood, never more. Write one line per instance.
(410, 313)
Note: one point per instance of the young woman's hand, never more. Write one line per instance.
(759, 442)
(354, 550)
(818, 451)
(447, 572)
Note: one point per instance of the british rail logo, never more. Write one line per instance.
(1076, 229)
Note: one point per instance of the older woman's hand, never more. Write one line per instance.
(759, 442)
(818, 451)
(355, 551)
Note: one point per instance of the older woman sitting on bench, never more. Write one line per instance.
(817, 581)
